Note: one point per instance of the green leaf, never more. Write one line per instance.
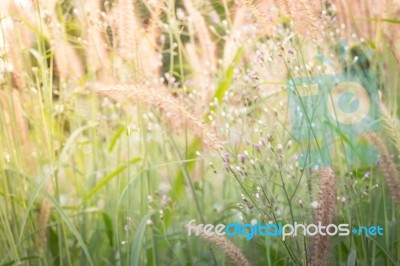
(14, 262)
(351, 260)
(71, 139)
(115, 138)
(107, 179)
(137, 245)
(226, 80)
(108, 225)
(70, 225)
(388, 20)
(385, 251)
(179, 251)
(178, 187)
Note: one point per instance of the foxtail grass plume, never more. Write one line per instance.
(127, 29)
(304, 13)
(387, 166)
(153, 28)
(325, 213)
(234, 254)
(283, 6)
(97, 48)
(175, 110)
(135, 44)
(261, 12)
(392, 126)
(306, 17)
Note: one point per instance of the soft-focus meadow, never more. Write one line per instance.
(123, 120)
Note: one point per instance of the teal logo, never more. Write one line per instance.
(347, 103)
(328, 107)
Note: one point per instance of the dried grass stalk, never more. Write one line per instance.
(353, 15)
(43, 219)
(194, 59)
(175, 110)
(207, 46)
(231, 44)
(67, 62)
(16, 37)
(324, 214)
(14, 116)
(387, 166)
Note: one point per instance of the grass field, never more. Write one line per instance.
(121, 121)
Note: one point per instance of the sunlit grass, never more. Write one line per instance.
(121, 122)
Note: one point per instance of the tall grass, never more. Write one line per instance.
(123, 120)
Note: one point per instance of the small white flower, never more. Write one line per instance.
(7, 157)
(314, 204)
(289, 144)
(180, 14)
(279, 147)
